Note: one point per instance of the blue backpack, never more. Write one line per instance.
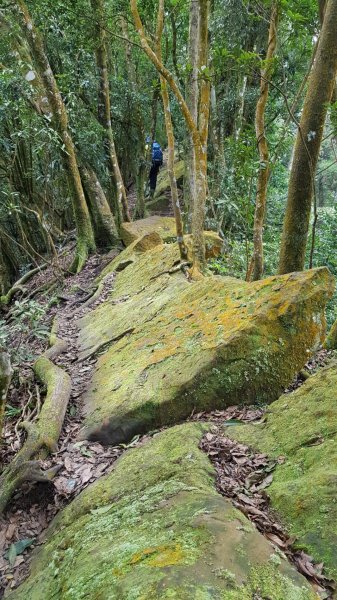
(157, 153)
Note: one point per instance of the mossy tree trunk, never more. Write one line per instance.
(198, 133)
(307, 146)
(105, 229)
(170, 138)
(85, 236)
(104, 110)
(255, 270)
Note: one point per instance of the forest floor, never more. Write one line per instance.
(81, 463)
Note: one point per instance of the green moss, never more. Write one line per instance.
(169, 346)
(165, 226)
(163, 183)
(302, 428)
(156, 528)
(268, 583)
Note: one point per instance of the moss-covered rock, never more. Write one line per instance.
(156, 528)
(163, 182)
(302, 428)
(168, 346)
(165, 226)
(331, 340)
(144, 230)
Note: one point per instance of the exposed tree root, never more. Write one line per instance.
(18, 286)
(6, 373)
(43, 435)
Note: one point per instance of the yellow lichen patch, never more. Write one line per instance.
(167, 346)
(160, 556)
(167, 557)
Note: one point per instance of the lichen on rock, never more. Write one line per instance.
(156, 528)
(167, 346)
(141, 235)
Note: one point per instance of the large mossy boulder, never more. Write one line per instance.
(163, 182)
(147, 241)
(302, 429)
(164, 226)
(167, 347)
(134, 234)
(156, 528)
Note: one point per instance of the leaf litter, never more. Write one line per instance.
(243, 476)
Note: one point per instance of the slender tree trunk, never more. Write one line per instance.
(256, 266)
(308, 142)
(170, 139)
(240, 113)
(192, 99)
(85, 236)
(199, 206)
(102, 218)
(104, 109)
(142, 171)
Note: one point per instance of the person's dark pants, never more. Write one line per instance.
(153, 176)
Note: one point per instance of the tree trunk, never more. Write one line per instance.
(142, 171)
(5, 380)
(240, 113)
(102, 218)
(170, 139)
(192, 98)
(199, 206)
(256, 266)
(321, 10)
(104, 110)
(85, 236)
(308, 142)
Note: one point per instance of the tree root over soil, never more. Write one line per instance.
(243, 476)
(42, 436)
(18, 286)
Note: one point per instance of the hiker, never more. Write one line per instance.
(157, 162)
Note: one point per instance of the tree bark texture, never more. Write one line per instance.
(307, 147)
(200, 150)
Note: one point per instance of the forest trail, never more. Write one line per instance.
(168, 303)
(84, 462)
